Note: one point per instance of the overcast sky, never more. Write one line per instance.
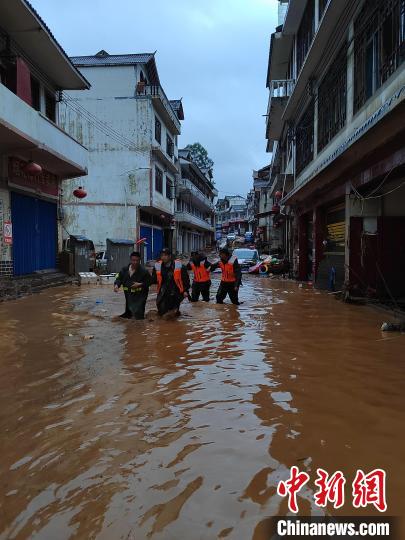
(213, 53)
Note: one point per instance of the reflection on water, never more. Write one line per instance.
(182, 429)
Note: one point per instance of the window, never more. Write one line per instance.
(305, 34)
(169, 146)
(158, 130)
(50, 106)
(35, 94)
(168, 188)
(158, 180)
(304, 139)
(378, 46)
(322, 6)
(332, 100)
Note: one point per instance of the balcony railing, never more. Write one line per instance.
(185, 185)
(280, 91)
(157, 92)
(191, 219)
(281, 88)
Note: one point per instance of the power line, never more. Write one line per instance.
(98, 124)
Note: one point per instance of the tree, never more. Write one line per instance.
(200, 156)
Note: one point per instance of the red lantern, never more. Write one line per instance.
(278, 195)
(275, 209)
(80, 193)
(32, 168)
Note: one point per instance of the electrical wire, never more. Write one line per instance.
(103, 127)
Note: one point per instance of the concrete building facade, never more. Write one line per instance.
(194, 215)
(36, 154)
(131, 130)
(335, 128)
(231, 215)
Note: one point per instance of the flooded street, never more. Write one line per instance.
(182, 429)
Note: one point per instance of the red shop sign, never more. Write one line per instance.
(45, 183)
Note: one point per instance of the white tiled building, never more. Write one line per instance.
(131, 130)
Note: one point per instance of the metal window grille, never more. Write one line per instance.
(332, 100)
(158, 130)
(304, 139)
(305, 34)
(158, 180)
(322, 6)
(379, 46)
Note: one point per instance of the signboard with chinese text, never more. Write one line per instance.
(45, 184)
(7, 232)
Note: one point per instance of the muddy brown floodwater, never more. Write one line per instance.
(180, 430)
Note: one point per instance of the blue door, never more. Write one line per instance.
(146, 232)
(34, 234)
(157, 242)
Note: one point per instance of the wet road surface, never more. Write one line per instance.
(181, 429)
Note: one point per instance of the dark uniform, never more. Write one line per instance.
(230, 280)
(135, 299)
(201, 282)
(170, 278)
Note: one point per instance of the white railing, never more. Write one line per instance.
(183, 184)
(186, 217)
(157, 92)
(281, 88)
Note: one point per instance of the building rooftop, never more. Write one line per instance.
(177, 106)
(104, 59)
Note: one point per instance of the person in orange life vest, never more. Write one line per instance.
(199, 265)
(231, 277)
(173, 283)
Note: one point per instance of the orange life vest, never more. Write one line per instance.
(177, 275)
(201, 274)
(228, 274)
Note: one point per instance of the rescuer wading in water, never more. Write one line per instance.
(135, 281)
(173, 283)
(200, 266)
(231, 277)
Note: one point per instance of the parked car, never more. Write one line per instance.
(246, 257)
(101, 260)
(249, 237)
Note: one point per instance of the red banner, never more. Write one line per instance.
(45, 183)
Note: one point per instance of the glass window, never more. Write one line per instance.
(168, 188)
(158, 180)
(158, 130)
(50, 106)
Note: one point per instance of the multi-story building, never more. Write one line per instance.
(194, 216)
(131, 130)
(231, 215)
(36, 155)
(336, 130)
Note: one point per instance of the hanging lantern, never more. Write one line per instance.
(278, 195)
(80, 193)
(32, 168)
(275, 209)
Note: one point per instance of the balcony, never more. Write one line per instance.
(186, 186)
(25, 131)
(161, 104)
(280, 91)
(189, 219)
